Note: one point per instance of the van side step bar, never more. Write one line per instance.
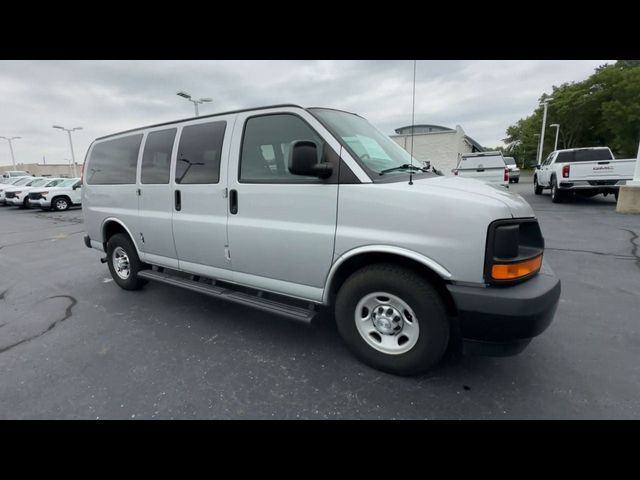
(303, 315)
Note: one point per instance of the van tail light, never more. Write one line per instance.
(565, 170)
(506, 175)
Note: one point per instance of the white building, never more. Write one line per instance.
(437, 144)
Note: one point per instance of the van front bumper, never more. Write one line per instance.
(503, 320)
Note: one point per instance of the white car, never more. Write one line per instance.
(582, 171)
(17, 181)
(514, 171)
(488, 167)
(60, 197)
(12, 174)
(18, 196)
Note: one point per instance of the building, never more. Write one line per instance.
(45, 169)
(437, 144)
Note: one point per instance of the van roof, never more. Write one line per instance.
(201, 116)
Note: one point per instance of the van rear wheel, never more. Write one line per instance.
(392, 319)
(124, 263)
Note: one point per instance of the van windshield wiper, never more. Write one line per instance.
(402, 167)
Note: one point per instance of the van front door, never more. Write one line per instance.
(281, 226)
(198, 202)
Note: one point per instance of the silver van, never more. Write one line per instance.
(292, 210)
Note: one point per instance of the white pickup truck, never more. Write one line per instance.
(582, 171)
(489, 167)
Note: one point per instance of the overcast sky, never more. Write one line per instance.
(103, 97)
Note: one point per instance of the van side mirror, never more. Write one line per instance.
(303, 160)
(538, 166)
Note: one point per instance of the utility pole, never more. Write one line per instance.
(545, 104)
(13, 158)
(73, 155)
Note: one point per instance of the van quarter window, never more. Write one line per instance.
(114, 162)
(265, 148)
(199, 153)
(156, 159)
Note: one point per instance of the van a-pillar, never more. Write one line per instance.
(629, 197)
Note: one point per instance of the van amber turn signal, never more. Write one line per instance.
(511, 271)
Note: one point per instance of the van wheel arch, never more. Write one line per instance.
(357, 262)
(111, 228)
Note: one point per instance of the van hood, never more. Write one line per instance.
(517, 205)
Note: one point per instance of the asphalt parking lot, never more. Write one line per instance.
(73, 345)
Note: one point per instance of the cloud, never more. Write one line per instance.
(484, 97)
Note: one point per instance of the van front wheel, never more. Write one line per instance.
(392, 319)
(124, 263)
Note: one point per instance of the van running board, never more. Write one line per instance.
(303, 315)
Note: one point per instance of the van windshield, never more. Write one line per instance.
(375, 149)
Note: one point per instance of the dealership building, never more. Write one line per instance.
(437, 144)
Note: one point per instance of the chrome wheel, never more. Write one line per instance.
(387, 323)
(61, 204)
(120, 261)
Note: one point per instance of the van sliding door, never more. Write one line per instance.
(198, 199)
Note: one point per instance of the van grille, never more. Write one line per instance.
(10, 195)
(35, 196)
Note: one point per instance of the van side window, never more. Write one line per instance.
(114, 162)
(265, 148)
(156, 159)
(199, 153)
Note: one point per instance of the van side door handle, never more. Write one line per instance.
(233, 202)
(178, 200)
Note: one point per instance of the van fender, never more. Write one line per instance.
(402, 252)
(133, 239)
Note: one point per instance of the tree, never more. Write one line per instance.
(602, 110)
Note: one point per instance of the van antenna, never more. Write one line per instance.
(413, 111)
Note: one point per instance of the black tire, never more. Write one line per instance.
(517, 180)
(537, 189)
(60, 204)
(616, 195)
(132, 282)
(415, 291)
(556, 194)
(25, 202)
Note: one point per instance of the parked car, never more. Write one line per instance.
(12, 174)
(582, 171)
(292, 210)
(60, 197)
(12, 182)
(18, 196)
(514, 171)
(488, 167)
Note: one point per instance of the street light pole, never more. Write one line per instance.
(544, 121)
(13, 158)
(537, 148)
(195, 102)
(73, 155)
(557, 125)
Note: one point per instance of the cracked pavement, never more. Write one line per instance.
(73, 345)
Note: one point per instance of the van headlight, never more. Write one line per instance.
(514, 251)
